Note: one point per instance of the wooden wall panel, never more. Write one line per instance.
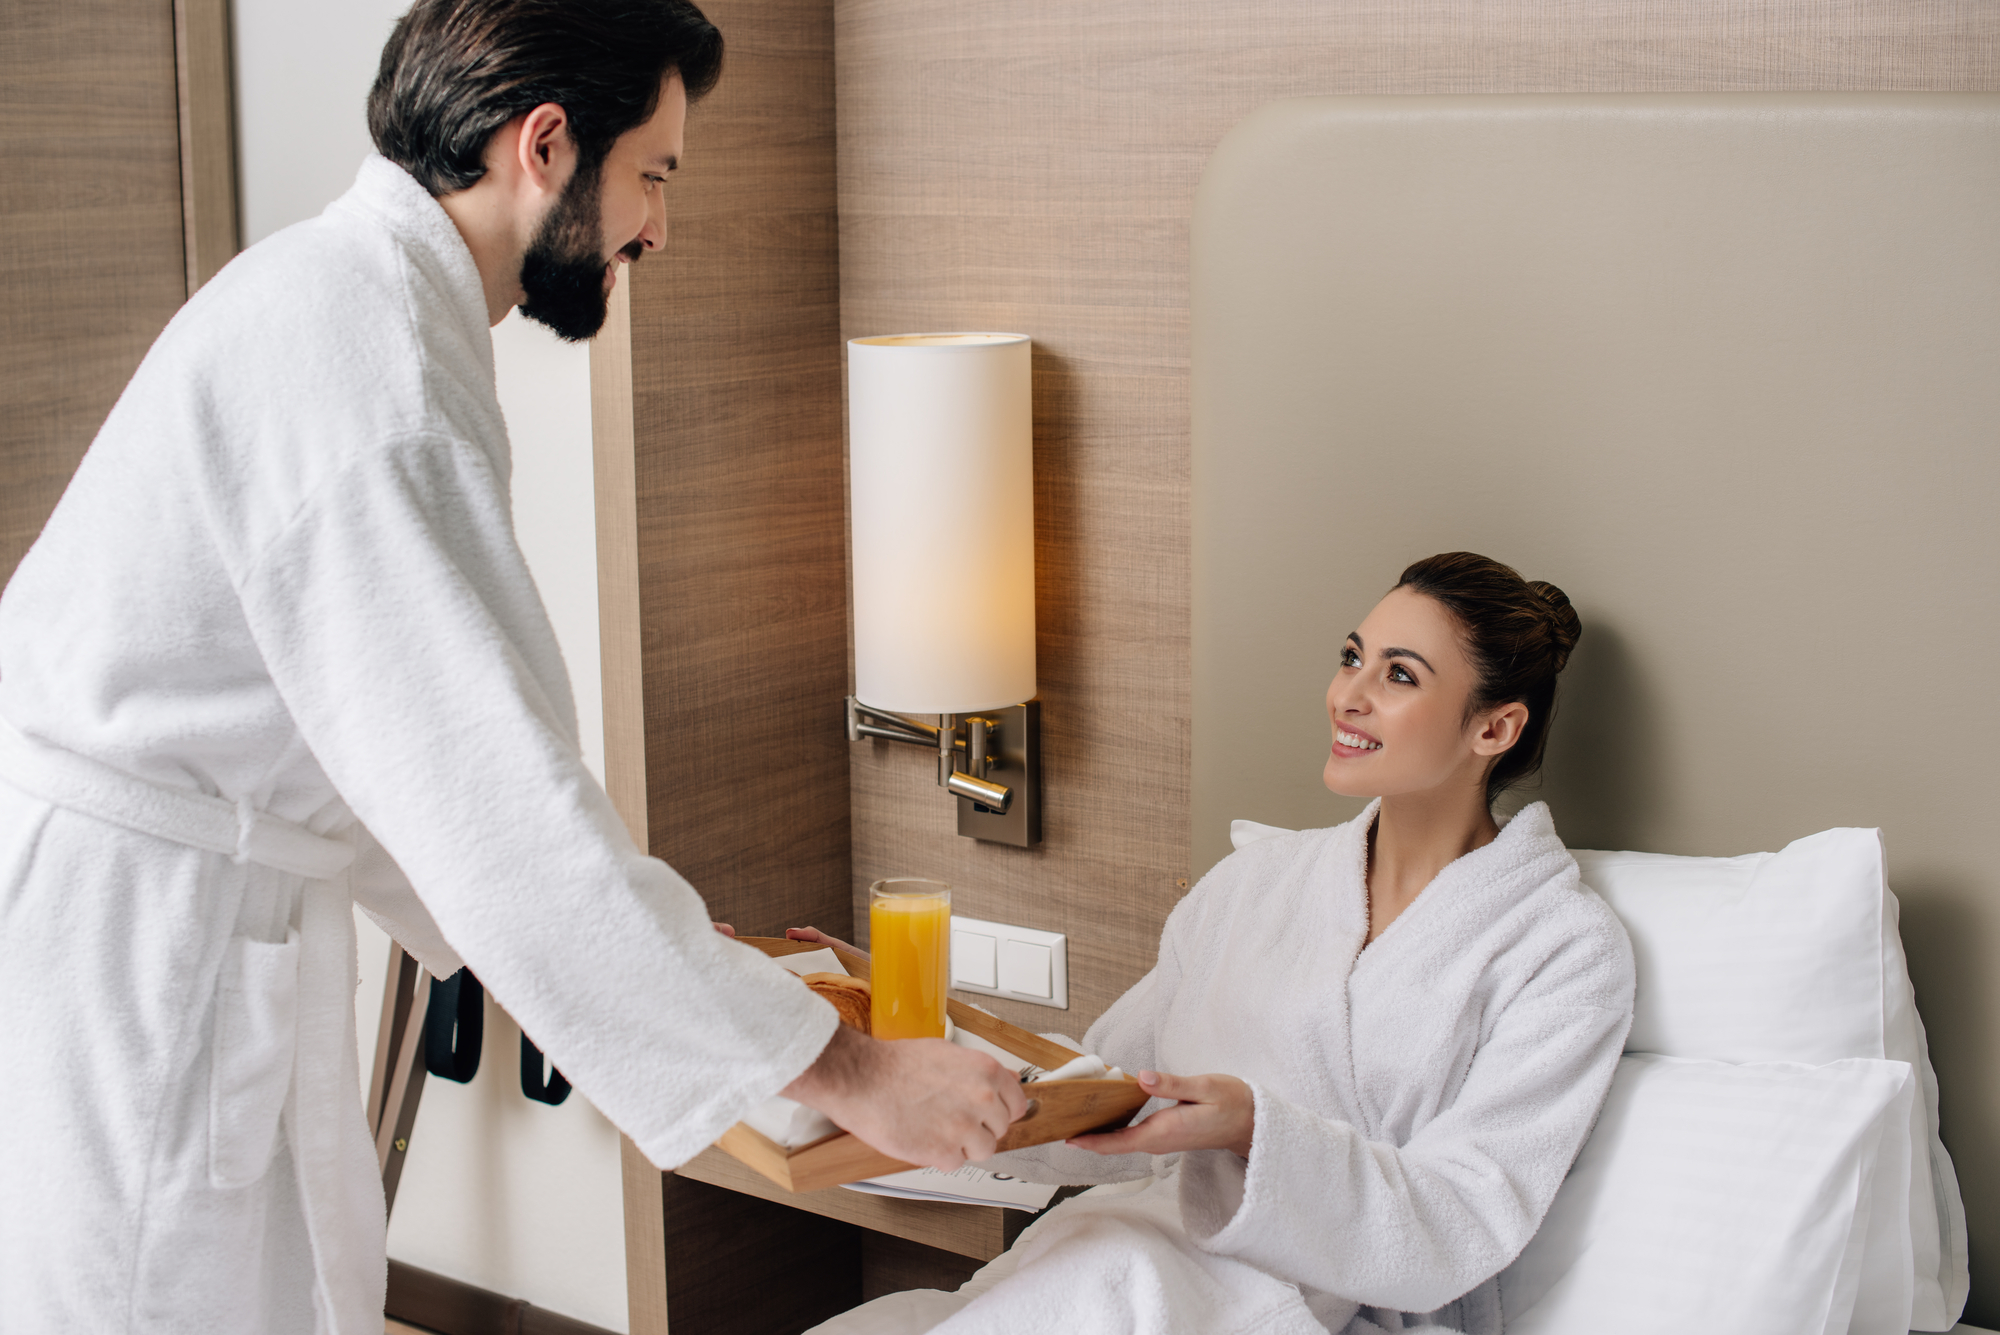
(716, 407)
(738, 1265)
(1030, 167)
(209, 223)
(90, 205)
(736, 412)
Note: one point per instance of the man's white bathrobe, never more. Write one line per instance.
(1418, 1102)
(285, 581)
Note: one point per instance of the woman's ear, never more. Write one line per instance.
(1499, 730)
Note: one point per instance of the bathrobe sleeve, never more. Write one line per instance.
(1125, 1036)
(391, 903)
(400, 624)
(1411, 1228)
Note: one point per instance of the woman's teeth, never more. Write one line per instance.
(1358, 743)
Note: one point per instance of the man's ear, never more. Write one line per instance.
(544, 149)
(1501, 729)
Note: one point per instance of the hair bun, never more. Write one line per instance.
(1565, 627)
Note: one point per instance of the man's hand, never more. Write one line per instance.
(922, 1100)
(1215, 1112)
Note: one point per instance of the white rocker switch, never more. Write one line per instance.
(997, 959)
(1024, 969)
(972, 960)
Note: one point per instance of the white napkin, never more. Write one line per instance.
(788, 1123)
(1086, 1067)
(822, 960)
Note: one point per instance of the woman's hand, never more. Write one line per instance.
(815, 934)
(1215, 1112)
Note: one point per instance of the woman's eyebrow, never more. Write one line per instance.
(1410, 653)
(1356, 637)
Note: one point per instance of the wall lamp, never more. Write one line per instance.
(942, 506)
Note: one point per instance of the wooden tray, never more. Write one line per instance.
(1058, 1109)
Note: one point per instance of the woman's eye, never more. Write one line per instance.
(1348, 658)
(1402, 674)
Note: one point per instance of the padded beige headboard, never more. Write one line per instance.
(1724, 367)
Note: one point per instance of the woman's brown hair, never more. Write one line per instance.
(1518, 634)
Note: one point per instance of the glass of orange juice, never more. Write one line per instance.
(909, 944)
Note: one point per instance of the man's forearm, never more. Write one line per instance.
(840, 1071)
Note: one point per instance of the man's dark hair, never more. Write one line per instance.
(455, 71)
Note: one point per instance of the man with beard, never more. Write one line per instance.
(277, 653)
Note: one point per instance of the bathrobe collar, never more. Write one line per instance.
(391, 199)
(1515, 863)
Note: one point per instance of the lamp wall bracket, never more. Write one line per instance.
(990, 761)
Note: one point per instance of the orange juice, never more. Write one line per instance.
(909, 940)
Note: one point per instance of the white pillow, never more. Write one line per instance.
(1243, 833)
(1792, 956)
(1788, 956)
(1726, 1198)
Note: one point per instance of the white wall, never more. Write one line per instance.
(498, 1191)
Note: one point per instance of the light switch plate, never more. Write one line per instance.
(997, 959)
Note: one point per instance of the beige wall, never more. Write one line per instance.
(1031, 167)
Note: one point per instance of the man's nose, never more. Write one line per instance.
(654, 234)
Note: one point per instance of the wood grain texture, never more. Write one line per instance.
(446, 1306)
(619, 634)
(736, 397)
(90, 205)
(1031, 168)
(740, 1265)
(622, 666)
(209, 218)
(890, 1264)
(978, 1231)
(644, 1199)
(724, 600)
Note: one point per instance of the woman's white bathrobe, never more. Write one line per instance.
(285, 575)
(1418, 1102)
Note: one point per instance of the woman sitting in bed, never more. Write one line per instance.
(1419, 1012)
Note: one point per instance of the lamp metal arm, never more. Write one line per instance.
(867, 721)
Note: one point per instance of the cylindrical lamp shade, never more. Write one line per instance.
(942, 498)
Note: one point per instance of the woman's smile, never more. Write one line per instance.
(1353, 742)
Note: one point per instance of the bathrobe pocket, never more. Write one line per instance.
(256, 1035)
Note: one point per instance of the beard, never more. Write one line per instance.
(563, 271)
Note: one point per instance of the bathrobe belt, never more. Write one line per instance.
(179, 815)
(320, 1099)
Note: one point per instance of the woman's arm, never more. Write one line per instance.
(1413, 1227)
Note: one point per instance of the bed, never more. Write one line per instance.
(1668, 351)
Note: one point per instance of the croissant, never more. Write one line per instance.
(852, 997)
